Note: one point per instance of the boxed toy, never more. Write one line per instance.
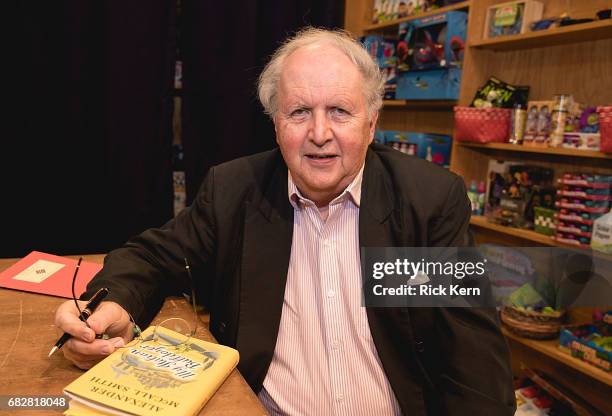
(591, 343)
(432, 42)
(435, 84)
(602, 234)
(524, 188)
(382, 50)
(511, 18)
(582, 199)
(435, 148)
(537, 127)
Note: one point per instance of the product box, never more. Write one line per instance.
(544, 221)
(431, 42)
(585, 342)
(511, 18)
(382, 50)
(435, 84)
(602, 234)
(581, 141)
(435, 148)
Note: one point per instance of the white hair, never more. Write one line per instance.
(373, 82)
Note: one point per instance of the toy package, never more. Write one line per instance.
(383, 51)
(581, 200)
(520, 190)
(428, 54)
(601, 239)
(432, 42)
(512, 18)
(590, 342)
(537, 127)
(435, 148)
(499, 94)
(385, 10)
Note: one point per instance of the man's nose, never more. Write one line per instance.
(320, 132)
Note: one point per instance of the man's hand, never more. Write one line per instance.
(83, 349)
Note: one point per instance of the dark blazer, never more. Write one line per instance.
(237, 236)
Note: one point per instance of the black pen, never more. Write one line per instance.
(86, 313)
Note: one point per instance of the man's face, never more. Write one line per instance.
(322, 124)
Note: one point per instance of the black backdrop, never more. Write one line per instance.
(225, 45)
(85, 159)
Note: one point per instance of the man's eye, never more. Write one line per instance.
(299, 112)
(339, 111)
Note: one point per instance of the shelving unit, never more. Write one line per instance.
(428, 116)
(553, 151)
(584, 32)
(573, 59)
(527, 235)
(551, 349)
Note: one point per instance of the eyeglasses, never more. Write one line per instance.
(182, 331)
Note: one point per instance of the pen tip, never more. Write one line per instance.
(52, 351)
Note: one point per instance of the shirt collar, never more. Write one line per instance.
(353, 191)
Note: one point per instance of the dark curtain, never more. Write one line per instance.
(224, 46)
(86, 149)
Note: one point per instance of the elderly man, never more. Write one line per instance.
(276, 238)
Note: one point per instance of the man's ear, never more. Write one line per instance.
(275, 129)
(373, 122)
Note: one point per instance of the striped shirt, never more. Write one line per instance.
(325, 362)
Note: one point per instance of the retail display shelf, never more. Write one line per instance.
(584, 32)
(559, 151)
(392, 23)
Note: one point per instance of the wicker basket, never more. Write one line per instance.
(482, 125)
(532, 324)
(605, 128)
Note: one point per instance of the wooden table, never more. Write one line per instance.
(27, 333)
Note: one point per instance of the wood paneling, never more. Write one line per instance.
(398, 118)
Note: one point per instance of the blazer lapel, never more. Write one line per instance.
(268, 231)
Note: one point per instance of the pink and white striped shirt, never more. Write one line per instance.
(325, 362)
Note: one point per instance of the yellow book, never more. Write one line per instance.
(153, 378)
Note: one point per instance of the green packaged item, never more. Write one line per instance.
(526, 296)
(544, 220)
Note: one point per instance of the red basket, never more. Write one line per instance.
(482, 125)
(605, 128)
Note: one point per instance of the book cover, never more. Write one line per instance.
(48, 274)
(153, 378)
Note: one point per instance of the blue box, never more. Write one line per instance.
(585, 349)
(382, 50)
(430, 42)
(433, 147)
(435, 84)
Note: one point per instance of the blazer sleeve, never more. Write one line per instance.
(475, 377)
(151, 266)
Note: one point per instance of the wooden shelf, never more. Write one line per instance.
(480, 221)
(440, 105)
(585, 32)
(560, 151)
(392, 23)
(551, 349)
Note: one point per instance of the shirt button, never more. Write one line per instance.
(331, 293)
(335, 345)
(326, 243)
(340, 397)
